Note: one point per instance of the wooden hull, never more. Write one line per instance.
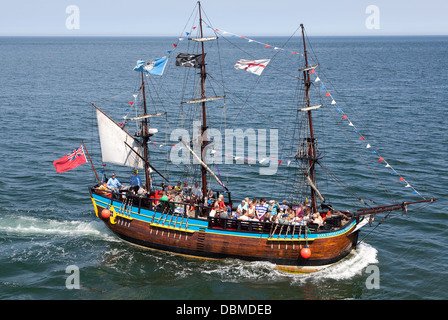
(196, 237)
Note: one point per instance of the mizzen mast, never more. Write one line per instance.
(311, 149)
(204, 118)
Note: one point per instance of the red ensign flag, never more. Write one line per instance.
(71, 160)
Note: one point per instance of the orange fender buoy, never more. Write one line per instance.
(305, 253)
(105, 213)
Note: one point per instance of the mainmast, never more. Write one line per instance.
(310, 140)
(204, 118)
(145, 137)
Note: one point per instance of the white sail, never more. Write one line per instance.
(113, 146)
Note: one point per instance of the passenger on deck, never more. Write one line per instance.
(238, 213)
(178, 188)
(316, 218)
(294, 206)
(114, 184)
(300, 211)
(273, 207)
(186, 188)
(284, 205)
(251, 210)
(213, 211)
(245, 216)
(135, 182)
(196, 191)
(243, 205)
(222, 207)
(260, 210)
(179, 197)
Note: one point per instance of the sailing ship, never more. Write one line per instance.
(148, 219)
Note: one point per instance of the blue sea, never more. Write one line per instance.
(394, 90)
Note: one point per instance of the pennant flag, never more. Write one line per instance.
(333, 102)
(70, 161)
(253, 66)
(344, 117)
(401, 179)
(328, 94)
(317, 80)
(156, 66)
(131, 102)
(313, 71)
(362, 138)
(174, 45)
(380, 159)
(368, 146)
(189, 60)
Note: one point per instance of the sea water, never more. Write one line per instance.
(396, 87)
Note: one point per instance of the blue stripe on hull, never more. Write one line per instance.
(194, 224)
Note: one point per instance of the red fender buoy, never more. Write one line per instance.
(105, 213)
(305, 253)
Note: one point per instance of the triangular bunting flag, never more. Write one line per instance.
(380, 159)
(328, 94)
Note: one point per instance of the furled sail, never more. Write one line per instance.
(115, 142)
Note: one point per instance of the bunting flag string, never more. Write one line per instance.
(345, 117)
(266, 45)
(317, 81)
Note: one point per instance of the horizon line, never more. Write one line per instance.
(176, 36)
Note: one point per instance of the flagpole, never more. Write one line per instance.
(87, 152)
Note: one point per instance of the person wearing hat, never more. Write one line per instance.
(243, 205)
(114, 184)
(136, 182)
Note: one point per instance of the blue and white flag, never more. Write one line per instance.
(156, 66)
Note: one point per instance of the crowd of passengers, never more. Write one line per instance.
(248, 210)
(184, 197)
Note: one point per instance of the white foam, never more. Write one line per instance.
(32, 226)
(352, 265)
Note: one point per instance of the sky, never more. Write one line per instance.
(244, 17)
